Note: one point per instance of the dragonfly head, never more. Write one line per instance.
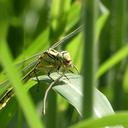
(67, 61)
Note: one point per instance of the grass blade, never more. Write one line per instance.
(22, 96)
(116, 58)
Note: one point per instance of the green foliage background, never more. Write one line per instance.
(31, 26)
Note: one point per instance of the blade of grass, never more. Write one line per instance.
(118, 32)
(101, 21)
(22, 96)
(89, 65)
(116, 120)
(116, 58)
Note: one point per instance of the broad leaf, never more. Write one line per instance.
(71, 90)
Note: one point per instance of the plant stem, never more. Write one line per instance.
(89, 19)
(117, 41)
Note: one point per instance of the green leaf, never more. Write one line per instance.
(101, 21)
(114, 120)
(71, 90)
(112, 61)
(22, 96)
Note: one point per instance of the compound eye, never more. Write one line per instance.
(67, 58)
(67, 61)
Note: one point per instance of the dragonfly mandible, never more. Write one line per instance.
(49, 61)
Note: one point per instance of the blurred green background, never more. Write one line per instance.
(31, 26)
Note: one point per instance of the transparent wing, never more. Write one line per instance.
(5, 85)
(30, 59)
(67, 37)
(28, 64)
(28, 67)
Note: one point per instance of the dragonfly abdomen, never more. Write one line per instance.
(6, 98)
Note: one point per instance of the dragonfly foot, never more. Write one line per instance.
(50, 77)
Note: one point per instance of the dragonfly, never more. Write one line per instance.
(48, 61)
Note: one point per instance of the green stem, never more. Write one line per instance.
(51, 112)
(89, 19)
(117, 40)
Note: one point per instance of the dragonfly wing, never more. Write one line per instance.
(29, 67)
(67, 37)
(4, 86)
(29, 60)
(6, 97)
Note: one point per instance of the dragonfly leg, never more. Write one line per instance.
(35, 70)
(71, 71)
(66, 77)
(63, 74)
(49, 75)
(58, 71)
(38, 81)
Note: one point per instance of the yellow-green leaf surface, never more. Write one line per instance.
(21, 94)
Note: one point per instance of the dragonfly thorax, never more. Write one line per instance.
(63, 57)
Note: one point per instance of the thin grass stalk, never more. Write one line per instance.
(51, 112)
(89, 19)
(117, 41)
